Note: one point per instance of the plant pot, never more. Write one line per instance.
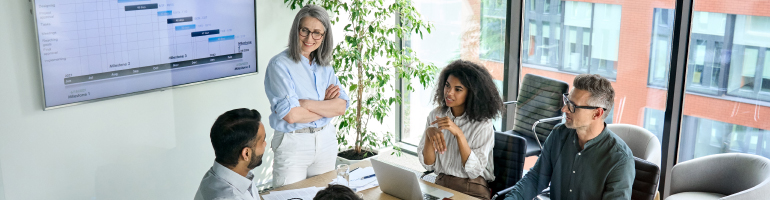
(341, 160)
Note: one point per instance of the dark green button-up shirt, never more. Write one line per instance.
(604, 169)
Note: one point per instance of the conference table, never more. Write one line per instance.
(372, 193)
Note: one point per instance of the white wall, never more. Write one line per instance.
(148, 146)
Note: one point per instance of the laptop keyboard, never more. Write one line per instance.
(429, 197)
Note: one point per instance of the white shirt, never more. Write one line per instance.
(221, 183)
(481, 139)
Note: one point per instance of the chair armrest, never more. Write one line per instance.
(757, 192)
(546, 192)
(534, 126)
(501, 193)
(509, 102)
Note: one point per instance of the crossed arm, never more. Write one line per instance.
(311, 110)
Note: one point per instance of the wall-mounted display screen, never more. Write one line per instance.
(99, 49)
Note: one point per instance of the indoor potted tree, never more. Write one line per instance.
(368, 62)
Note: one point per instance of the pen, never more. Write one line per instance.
(365, 177)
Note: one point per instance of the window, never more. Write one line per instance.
(727, 69)
(653, 122)
(660, 49)
(727, 55)
(531, 6)
(709, 34)
(750, 66)
(589, 40)
(493, 30)
(591, 37)
(702, 137)
(474, 32)
(544, 35)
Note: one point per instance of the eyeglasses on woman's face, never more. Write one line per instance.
(304, 32)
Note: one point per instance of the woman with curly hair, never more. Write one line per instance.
(459, 133)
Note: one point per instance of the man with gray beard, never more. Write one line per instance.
(581, 158)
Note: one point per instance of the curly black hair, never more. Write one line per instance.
(483, 101)
(336, 192)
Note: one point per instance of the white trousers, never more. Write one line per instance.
(299, 156)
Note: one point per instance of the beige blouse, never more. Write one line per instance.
(480, 137)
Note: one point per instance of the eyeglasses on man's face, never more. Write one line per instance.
(304, 32)
(571, 105)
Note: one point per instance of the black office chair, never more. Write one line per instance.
(539, 103)
(508, 156)
(646, 180)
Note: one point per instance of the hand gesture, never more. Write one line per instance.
(333, 91)
(435, 140)
(444, 123)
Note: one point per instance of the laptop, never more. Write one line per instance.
(403, 184)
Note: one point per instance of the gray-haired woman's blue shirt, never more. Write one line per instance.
(604, 169)
(286, 82)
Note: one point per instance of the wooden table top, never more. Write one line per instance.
(372, 193)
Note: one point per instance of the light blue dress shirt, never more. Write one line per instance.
(221, 183)
(286, 82)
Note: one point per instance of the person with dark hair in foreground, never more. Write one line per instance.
(238, 138)
(336, 192)
(581, 158)
(459, 134)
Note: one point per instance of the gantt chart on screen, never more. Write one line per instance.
(91, 49)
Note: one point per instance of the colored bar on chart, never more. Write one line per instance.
(164, 13)
(205, 33)
(142, 7)
(179, 20)
(185, 27)
(223, 38)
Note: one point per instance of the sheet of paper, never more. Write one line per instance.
(304, 194)
(356, 181)
(361, 172)
(362, 185)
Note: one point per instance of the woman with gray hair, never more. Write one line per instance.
(304, 96)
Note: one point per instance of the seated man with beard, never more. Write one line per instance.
(238, 138)
(581, 158)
